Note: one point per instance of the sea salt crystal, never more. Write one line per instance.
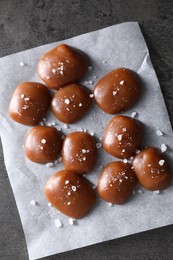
(80, 104)
(67, 101)
(90, 82)
(68, 203)
(98, 145)
(21, 64)
(156, 192)
(114, 93)
(140, 191)
(71, 221)
(67, 182)
(33, 202)
(22, 95)
(137, 151)
(91, 95)
(92, 133)
(133, 114)
(125, 161)
(84, 158)
(65, 126)
(159, 133)
(43, 141)
(49, 204)
(119, 137)
(54, 71)
(124, 129)
(58, 223)
(163, 148)
(73, 188)
(161, 162)
(48, 165)
(84, 151)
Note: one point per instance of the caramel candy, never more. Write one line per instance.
(117, 91)
(43, 144)
(116, 182)
(122, 136)
(152, 169)
(70, 103)
(70, 193)
(29, 103)
(62, 65)
(79, 152)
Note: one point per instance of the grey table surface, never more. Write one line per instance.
(27, 24)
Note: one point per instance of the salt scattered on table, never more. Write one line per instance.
(58, 223)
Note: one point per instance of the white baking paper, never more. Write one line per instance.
(120, 45)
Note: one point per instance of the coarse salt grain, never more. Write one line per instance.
(91, 95)
(90, 82)
(140, 191)
(84, 151)
(22, 95)
(121, 82)
(71, 221)
(33, 202)
(114, 93)
(137, 151)
(133, 114)
(119, 137)
(98, 145)
(73, 188)
(65, 126)
(125, 161)
(161, 162)
(124, 129)
(49, 204)
(67, 101)
(54, 71)
(43, 141)
(21, 64)
(67, 182)
(58, 223)
(68, 203)
(163, 148)
(80, 104)
(92, 133)
(84, 158)
(49, 165)
(156, 192)
(159, 133)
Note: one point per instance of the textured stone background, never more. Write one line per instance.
(27, 24)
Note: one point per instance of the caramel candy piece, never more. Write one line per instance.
(70, 103)
(79, 152)
(29, 103)
(43, 144)
(62, 65)
(152, 169)
(116, 182)
(70, 193)
(122, 136)
(117, 91)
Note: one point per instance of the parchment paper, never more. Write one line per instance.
(117, 46)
